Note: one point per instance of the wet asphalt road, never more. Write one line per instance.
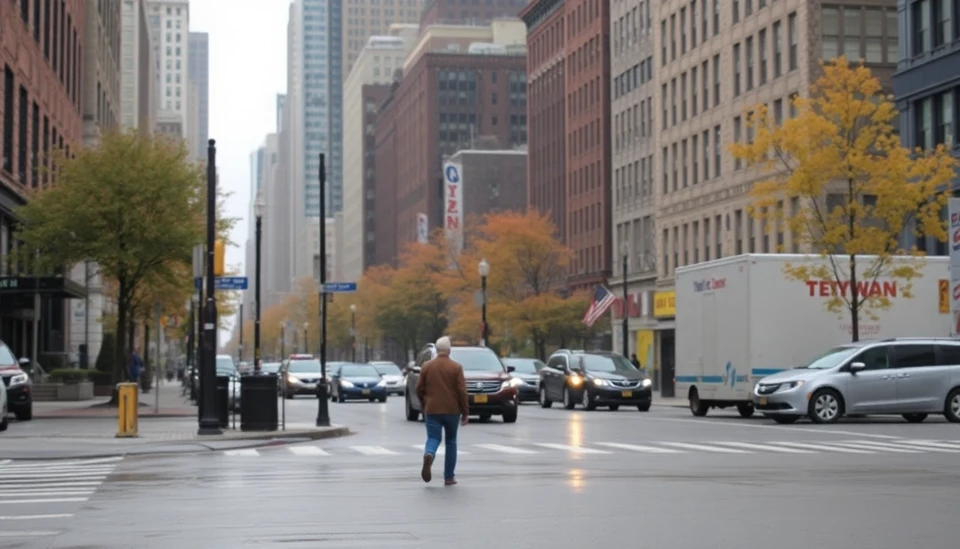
(556, 478)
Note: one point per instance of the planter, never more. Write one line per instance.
(75, 391)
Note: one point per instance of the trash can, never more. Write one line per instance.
(258, 402)
(223, 401)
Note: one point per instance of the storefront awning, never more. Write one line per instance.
(53, 286)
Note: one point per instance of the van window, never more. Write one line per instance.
(914, 355)
(874, 358)
(949, 355)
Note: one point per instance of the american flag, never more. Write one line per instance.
(602, 300)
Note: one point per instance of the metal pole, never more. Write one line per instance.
(626, 311)
(85, 359)
(283, 340)
(240, 355)
(323, 412)
(353, 334)
(157, 376)
(209, 423)
(483, 328)
(35, 343)
(256, 325)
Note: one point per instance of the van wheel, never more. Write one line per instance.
(951, 408)
(746, 409)
(915, 418)
(544, 401)
(568, 402)
(826, 406)
(698, 407)
(412, 415)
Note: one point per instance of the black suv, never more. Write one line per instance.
(19, 386)
(593, 378)
(490, 388)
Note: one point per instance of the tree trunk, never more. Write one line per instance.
(119, 359)
(854, 301)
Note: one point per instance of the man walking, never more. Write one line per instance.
(443, 396)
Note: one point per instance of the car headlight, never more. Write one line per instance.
(293, 379)
(382, 383)
(575, 380)
(345, 383)
(646, 383)
(600, 382)
(790, 385)
(19, 379)
(512, 382)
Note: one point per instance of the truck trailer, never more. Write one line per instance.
(740, 319)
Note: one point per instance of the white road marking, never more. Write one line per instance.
(35, 492)
(374, 451)
(54, 500)
(28, 534)
(249, 452)
(765, 447)
(52, 483)
(640, 448)
(78, 470)
(36, 517)
(903, 446)
(505, 449)
(753, 425)
(868, 447)
(823, 447)
(61, 476)
(571, 449)
(705, 448)
(931, 444)
(308, 451)
(441, 450)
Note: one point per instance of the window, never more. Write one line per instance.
(736, 70)
(737, 129)
(946, 119)
(943, 32)
(666, 173)
(676, 166)
(747, 7)
(876, 358)
(914, 355)
(949, 355)
(683, 31)
(792, 37)
(717, 245)
(35, 147)
(749, 46)
(873, 39)
(663, 101)
(25, 12)
(716, 80)
(716, 17)
(736, 11)
(793, 104)
(706, 155)
(830, 33)
(716, 151)
(683, 96)
(683, 148)
(673, 37)
(693, 91)
(925, 123)
(8, 120)
(695, 154)
(922, 38)
(777, 49)
(663, 43)
(778, 112)
(22, 144)
(706, 239)
(706, 85)
(762, 44)
(794, 237)
(673, 101)
(892, 38)
(738, 231)
(693, 24)
(705, 16)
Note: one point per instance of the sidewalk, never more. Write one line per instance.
(171, 405)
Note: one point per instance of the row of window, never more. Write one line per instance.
(22, 121)
(632, 124)
(688, 39)
(54, 31)
(747, 8)
(935, 119)
(860, 33)
(678, 109)
(681, 161)
(776, 110)
(631, 27)
(747, 73)
(633, 181)
(933, 24)
(633, 78)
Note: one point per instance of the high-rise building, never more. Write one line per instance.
(169, 22)
(138, 81)
(41, 79)
(377, 63)
(281, 101)
(198, 69)
(927, 82)
(444, 12)
(366, 18)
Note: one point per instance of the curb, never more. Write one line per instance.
(201, 447)
(112, 417)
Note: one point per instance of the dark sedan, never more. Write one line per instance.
(593, 378)
(358, 381)
(527, 372)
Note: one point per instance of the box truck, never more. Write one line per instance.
(742, 318)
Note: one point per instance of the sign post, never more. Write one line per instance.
(953, 211)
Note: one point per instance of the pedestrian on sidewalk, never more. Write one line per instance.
(136, 366)
(443, 395)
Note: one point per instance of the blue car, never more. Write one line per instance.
(358, 381)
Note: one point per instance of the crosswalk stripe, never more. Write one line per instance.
(705, 448)
(60, 470)
(505, 449)
(571, 449)
(250, 452)
(764, 447)
(45, 491)
(50, 483)
(51, 500)
(640, 448)
(374, 451)
(873, 448)
(902, 446)
(932, 444)
(441, 450)
(36, 517)
(823, 447)
(308, 451)
(61, 476)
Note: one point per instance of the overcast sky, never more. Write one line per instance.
(247, 70)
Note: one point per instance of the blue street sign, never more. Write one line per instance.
(226, 283)
(339, 287)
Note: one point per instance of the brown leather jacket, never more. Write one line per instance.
(441, 387)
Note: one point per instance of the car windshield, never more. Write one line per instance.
(225, 366)
(388, 369)
(524, 365)
(477, 360)
(6, 357)
(358, 370)
(832, 358)
(301, 366)
(602, 363)
(270, 367)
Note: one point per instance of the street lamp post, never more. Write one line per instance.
(625, 309)
(209, 422)
(306, 338)
(240, 347)
(353, 333)
(323, 412)
(484, 269)
(258, 207)
(283, 340)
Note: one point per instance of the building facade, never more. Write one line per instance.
(169, 22)
(494, 180)
(198, 74)
(365, 18)
(444, 12)
(373, 97)
(138, 72)
(41, 56)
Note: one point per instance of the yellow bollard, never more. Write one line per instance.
(128, 406)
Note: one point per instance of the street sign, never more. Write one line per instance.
(224, 283)
(339, 287)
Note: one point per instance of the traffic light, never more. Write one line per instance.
(218, 258)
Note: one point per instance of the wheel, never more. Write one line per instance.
(951, 408)
(340, 397)
(510, 416)
(372, 399)
(568, 402)
(614, 407)
(4, 422)
(785, 420)
(382, 399)
(26, 414)
(745, 409)
(485, 417)
(826, 406)
(915, 418)
(586, 402)
(698, 408)
(412, 415)
(542, 398)
(645, 407)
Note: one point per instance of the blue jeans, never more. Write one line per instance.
(448, 423)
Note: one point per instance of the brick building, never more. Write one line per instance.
(372, 95)
(40, 56)
(446, 12)
(494, 180)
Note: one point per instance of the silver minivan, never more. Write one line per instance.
(912, 377)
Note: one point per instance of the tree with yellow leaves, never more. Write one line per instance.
(854, 190)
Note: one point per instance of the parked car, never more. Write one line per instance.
(491, 390)
(593, 378)
(17, 384)
(911, 377)
(358, 381)
(392, 374)
(527, 370)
